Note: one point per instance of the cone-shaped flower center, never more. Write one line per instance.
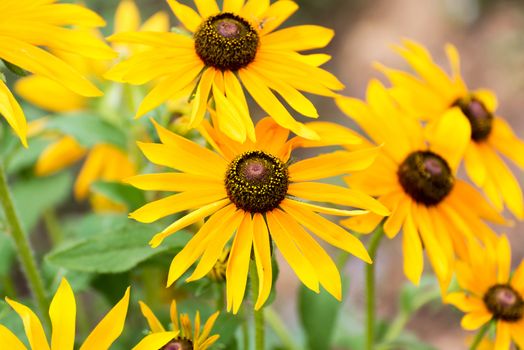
(426, 177)
(257, 181)
(226, 42)
(479, 117)
(178, 344)
(504, 303)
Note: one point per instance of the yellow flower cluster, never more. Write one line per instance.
(245, 187)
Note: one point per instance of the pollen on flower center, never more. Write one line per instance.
(178, 344)
(226, 42)
(257, 181)
(426, 177)
(504, 303)
(480, 119)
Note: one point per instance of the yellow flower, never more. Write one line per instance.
(103, 162)
(417, 182)
(181, 337)
(227, 47)
(28, 26)
(488, 293)
(62, 312)
(435, 92)
(250, 188)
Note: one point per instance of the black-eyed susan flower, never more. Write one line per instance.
(226, 51)
(432, 92)
(62, 312)
(182, 336)
(250, 189)
(416, 180)
(489, 294)
(30, 26)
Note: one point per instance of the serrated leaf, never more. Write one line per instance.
(115, 251)
(88, 129)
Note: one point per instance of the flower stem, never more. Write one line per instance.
(277, 325)
(370, 288)
(479, 336)
(258, 323)
(25, 253)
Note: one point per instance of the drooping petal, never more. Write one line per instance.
(11, 111)
(262, 251)
(62, 312)
(109, 328)
(32, 326)
(156, 340)
(9, 340)
(154, 324)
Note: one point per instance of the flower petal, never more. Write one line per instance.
(62, 312)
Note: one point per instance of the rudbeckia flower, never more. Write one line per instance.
(27, 27)
(62, 312)
(432, 92)
(489, 294)
(182, 336)
(416, 180)
(227, 50)
(251, 192)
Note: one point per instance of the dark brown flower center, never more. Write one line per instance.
(178, 344)
(226, 42)
(257, 181)
(480, 119)
(504, 303)
(426, 177)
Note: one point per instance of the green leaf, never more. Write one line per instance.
(34, 196)
(114, 251)
(318, 316)
(118, 192)
(88, 129)
(15, 69)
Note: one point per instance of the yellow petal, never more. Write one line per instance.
(503, 336)
(332, 164)
(185, 14)
(294, 257)
(109, 328)
(450, 137)
(177, 203)
(267, 100)
(169, 87)
(11, 111)
(238, 264)
(474, 320)
(397, 218)
(215, 245)
(364, 224)
(233, 6)
(235, 94)
(38, 61)
(199, 108)
(504, 140)
(254, 9)
(207, 8)
(322, 192)
(59, 155)
(229, 120)
(32, 326)
(159, 22)
(464, 302)
(325, 268)
(474, 164)
(187, 220)
(503, 260)
(127, 17)
(331, 134)
(9, 340)
(261, 246)
(48, 94)
(62, 312)
(488, 99)
(517, 281)
(196, 246)
(176, 182)
(299, 38)
(154, 324)
(275, 15)
(155, 340)
(329, 211)
(412, 251)
(327, 230)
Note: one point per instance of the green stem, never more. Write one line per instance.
(479, 336)
(259, 323)
(25, 254)
(275, 322)
(52, 226)
(370, 288)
